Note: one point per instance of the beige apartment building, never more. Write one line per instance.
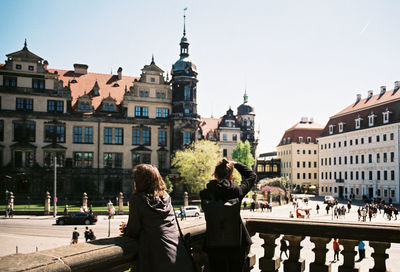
(298, 153)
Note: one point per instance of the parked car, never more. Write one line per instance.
(77, 218)
(190, 211)
(329, 199)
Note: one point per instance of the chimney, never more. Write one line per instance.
(383, 90)
(396, 85)
(358, 98)
(304, 120)
(80, 68)
(119, 73)
(45, 64)
(370, 93)
(311, 120)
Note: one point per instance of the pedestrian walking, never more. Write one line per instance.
(75, 236)
(91, 235)
(153, 225)
(87, 234)
(327, 208)
(361, 251)
(395, 212)
(283, 248)
(227, 255)
(348, 206)
(183, 214)
(244, 205)
(336, 249)
(359, 213)
(90, 209)
(317, 208)
(370, 214)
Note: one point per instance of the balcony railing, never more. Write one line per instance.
(119, 253)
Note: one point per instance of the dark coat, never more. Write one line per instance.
(227, 189)
(152, 222)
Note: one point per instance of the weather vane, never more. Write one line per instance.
(184, 21)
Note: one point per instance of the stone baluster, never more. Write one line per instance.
(320, 250)
(349, 254)
(379, 256)
(269, 262)
(294, 263)
(121, 203)
(47, 203)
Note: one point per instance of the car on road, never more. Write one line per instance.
(329, 199)
(190, 211)
(77, 218)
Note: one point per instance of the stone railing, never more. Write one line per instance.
(119, 253)
(295, 231)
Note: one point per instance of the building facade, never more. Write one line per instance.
(298, 154)
(268, 166)
(98, 126)
(229, 129)
(359, 148)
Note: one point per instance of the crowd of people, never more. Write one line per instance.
(371, 210)
(89, 235)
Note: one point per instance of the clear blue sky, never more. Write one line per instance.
(297, 58)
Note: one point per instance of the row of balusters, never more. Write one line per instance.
(270, 262)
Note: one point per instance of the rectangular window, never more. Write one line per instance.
(162, 138)
(340, 160)
(146, 136)
(385, 157)
(345, 159)
(378, 158)
(378, 175)
(54, 133)
(392, 175)
(18, 66)
(83, 159)
(10, 81)
(24, 104)
(377, 138)
(234, 137)
(369, 158)
(298, 164)
(108, 135)
(225, 137)
(135, 136)
(24, 132)
(55, 106)
(118, 136)
(391, 136)
(158, 113)
(77, 134)
(30, 68)
(186, 137)
(391, 156)
(112, 160)
(356, 156)
(370, 177)
(363, 175)
(187, 93)
(362, 140)
(362, 158)
(141, 111)
(138, 158)
(88, 135)
(38, 84)
(385, 176)
(315, 164)
(298, 175)
(384, 137)
(225, 154)
(165, 113)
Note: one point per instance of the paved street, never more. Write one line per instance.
(30, 232)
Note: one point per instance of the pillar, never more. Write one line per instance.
(47, 203)
(84, 200)
(185, 199)
(121, 203)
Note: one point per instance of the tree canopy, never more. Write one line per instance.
(196, 164)
(242, 153)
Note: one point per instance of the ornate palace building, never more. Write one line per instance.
(231, 128)
(97, 125)
(359, 148)
(298, 154)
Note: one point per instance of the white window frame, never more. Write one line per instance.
(358, 123)
(308, 140)
(371, 120)
(300, 140)
(331, 129)
(341, 124)
(386, 116)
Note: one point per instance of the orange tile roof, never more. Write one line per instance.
(209, 124)
(85, 83)
(375, 100)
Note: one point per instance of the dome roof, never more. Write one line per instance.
(245, 109)
(184, 64)
(184, 39)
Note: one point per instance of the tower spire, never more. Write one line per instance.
(152, 59)
(25, 45)
(184, 21)
(245, 97)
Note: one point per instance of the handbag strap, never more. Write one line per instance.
(185, 243)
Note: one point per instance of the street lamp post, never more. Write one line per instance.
(55, 186)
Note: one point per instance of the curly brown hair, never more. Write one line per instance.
(224, 169)
(147, 179)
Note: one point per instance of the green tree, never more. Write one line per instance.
(196, 164)
(168, 183)
(242, 153)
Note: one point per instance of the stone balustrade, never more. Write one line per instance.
(295, 231)
(119, 253)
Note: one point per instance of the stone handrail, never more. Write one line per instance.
(119, 253)
(380, 238)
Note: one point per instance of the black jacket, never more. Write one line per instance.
(226, 189)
